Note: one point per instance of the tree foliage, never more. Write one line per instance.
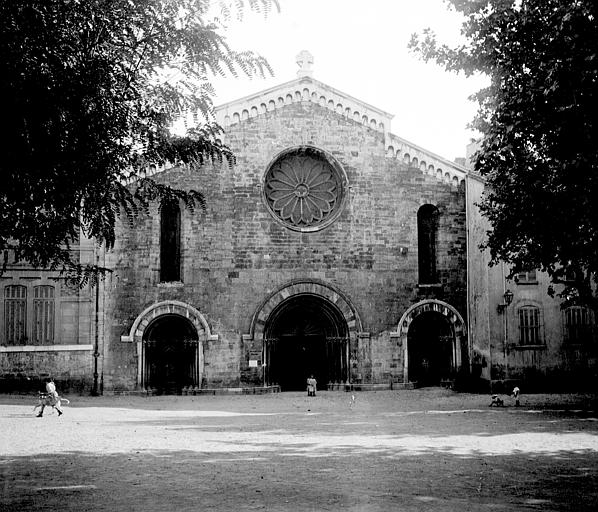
(91, 89)
(538, 151)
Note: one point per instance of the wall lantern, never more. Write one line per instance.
(508, 298)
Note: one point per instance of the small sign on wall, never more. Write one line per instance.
(254, 363)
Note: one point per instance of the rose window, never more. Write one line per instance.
(304, 189)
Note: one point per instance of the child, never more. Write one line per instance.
(496, 400)
(515, 395)
(52, 399)
(311, 386)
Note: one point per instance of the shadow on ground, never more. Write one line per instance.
(290, 480)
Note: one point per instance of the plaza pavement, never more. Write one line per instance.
(412, 450)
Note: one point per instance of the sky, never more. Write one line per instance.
(360, 48)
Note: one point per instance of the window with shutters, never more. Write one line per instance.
(578, 325)
(530, 326)
(527, 277)
(15, 315)
(43, 315)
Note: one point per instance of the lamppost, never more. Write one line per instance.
(502, 309)
(508, 298)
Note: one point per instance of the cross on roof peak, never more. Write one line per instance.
(305, 61)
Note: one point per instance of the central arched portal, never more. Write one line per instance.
(304, 335)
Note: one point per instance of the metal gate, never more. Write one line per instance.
(335, 368)
(171, 366)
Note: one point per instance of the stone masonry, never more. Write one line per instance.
(235, 254)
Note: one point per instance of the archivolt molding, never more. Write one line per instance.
(305, 287)
(452, 315)
(445, 309)
(169, 307)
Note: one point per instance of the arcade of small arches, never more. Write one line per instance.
(350, 111)
(397, 148)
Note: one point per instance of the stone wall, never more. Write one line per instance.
(235, 254)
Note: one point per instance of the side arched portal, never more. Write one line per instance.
(171, 355)
(433, 337)
(170, 336)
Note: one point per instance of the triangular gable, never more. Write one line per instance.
(306, 88)
(303, 89)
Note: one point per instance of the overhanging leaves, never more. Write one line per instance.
(91, 88)
(539, 147)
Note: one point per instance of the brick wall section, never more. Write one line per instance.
(235, 254)
(23, 368)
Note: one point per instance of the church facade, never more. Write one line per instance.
(330, 247)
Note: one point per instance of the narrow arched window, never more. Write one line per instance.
(170, 241)
(427, 235)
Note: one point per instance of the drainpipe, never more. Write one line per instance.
(467, 272)
(264, 363)
(96, 349)
(490, 358)
(505, 324)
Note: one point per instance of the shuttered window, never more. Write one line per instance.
(578, 325)
(529, 326)
(15, 315)
(43, 315)
(528, 277)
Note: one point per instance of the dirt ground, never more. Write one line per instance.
(427, 449)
